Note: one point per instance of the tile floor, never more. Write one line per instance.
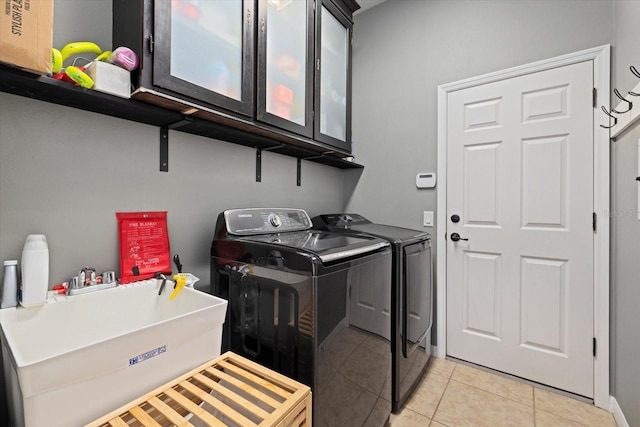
(452, 394)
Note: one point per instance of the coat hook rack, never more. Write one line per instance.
(615, 119)
(626, 115)
(615, 90)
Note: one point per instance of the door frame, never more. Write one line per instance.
(601, 57)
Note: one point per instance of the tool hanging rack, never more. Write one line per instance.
(623, 115)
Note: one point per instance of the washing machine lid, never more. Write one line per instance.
(327, 246)
(391, 233)
(355, 223)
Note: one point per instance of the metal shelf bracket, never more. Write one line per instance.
(259, 159)
(299, 172)
(164, 141)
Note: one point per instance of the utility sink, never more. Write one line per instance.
(76, 358)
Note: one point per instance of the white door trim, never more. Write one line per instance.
(601, 60)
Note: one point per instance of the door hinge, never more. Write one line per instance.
(595, 221)
(594, 346)
(150, 43)
(595, 97)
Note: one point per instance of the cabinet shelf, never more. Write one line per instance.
(226, 128)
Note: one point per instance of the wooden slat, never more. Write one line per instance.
(299, 420)
(193, 408)
(289, 419)
(280, 380)
(264, 382)
(118, 422)
(297, 399)
(169, 412)
(142, 416)
(248, 405)
(216, 403)
(244, 386)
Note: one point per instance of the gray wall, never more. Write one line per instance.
(625, 230)
(404, 49)
(65, 172)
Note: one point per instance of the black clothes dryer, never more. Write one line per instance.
(289, 308)
(411, 296)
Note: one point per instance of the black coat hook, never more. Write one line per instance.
(622, 98)
(637, 74)
(615, 119)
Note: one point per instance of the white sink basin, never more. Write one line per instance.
(70, 361)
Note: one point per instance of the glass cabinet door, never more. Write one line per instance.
(333, 96)
(285, 55)
(203, 49)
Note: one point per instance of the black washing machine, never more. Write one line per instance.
(289, 309)
(411, 296)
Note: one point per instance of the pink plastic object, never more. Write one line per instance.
(125, 58)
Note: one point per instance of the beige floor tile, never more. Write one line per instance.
(545, 419)
(463, 405)
(572, 409)
(408, 418)
(427, 395)
(496, 384)
(434, 423)
(441, 367)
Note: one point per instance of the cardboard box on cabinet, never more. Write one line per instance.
(26, 34)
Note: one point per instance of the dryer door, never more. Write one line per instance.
(416, 296)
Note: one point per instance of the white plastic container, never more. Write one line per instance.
(10, 284)
(35, 271)
(80, 357)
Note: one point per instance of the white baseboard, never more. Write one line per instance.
(615, 409)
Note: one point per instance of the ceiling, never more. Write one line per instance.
(367, 4)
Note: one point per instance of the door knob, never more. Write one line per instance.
(455, 237)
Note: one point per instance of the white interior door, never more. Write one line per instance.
(520, 178)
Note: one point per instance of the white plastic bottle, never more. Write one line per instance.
(35, 271)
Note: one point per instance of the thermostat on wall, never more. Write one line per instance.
(426, 180)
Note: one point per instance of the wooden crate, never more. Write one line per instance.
(227, 391)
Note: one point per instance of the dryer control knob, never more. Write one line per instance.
(275, 220)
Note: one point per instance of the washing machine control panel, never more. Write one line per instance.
(253, 221)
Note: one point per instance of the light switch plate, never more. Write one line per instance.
(427, 218)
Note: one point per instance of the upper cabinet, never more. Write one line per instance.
(285, 64)
(277, 68)
(333, 76)
(204, 50)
